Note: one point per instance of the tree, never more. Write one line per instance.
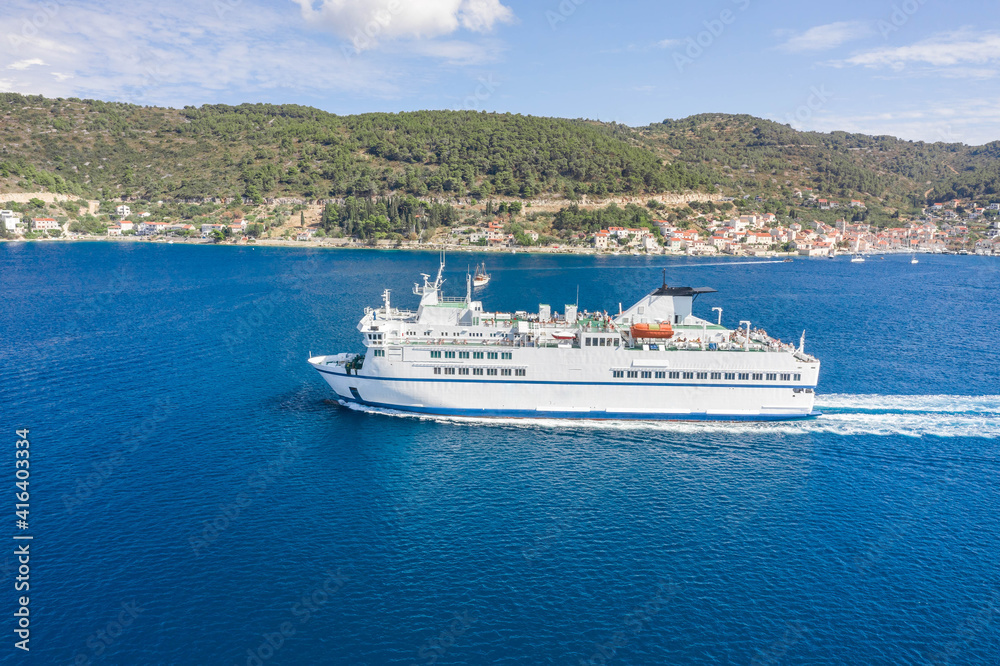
(253, 193)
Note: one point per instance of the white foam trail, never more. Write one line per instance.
(899, 415)
(983, 404)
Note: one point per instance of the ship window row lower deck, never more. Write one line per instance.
(704, 375)
(481, 372)
(506, 356)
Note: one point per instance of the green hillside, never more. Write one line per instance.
(110, 150)
(748, 155)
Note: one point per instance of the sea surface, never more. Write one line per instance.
(197, 498)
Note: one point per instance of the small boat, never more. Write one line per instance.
(564, 335)
(482, 278)
(655, 331)
(788, 260)
(913, 260)
(857, 259)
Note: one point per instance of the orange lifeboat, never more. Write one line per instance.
(654, 331)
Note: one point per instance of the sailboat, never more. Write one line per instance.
(482, 277)
(913, 260)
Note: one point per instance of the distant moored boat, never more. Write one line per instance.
(482, 278)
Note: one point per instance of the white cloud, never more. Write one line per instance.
(825, 37)
(25, 64)
(972, 122)
(669, 43)
(368, 22)
(178, 53)
(482, 15)
(455, 52)
(949, 53)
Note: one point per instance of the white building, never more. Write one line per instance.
(759, 238)
(602, 240)
(123, 211)
(10, 220)
(44, 224)
(151, 228)
(114, 230)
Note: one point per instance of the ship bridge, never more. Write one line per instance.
(665, 305)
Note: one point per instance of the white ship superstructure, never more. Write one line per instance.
(655, 360)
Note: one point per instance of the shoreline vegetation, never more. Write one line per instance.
(689, 223)
(348, 244)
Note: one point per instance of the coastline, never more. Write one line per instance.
(412, 246)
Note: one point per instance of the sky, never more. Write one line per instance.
(919, 69)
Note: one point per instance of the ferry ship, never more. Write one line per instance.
(655, 360)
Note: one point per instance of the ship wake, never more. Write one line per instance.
(843, 414)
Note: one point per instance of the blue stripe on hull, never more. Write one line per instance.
(600, 416)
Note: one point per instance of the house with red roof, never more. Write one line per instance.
(45, 224)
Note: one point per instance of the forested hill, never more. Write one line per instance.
(110, 150)
(266, 150)
(752, 155)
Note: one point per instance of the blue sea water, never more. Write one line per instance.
(196, 497)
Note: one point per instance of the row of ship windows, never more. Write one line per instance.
(454, 334)
(731, 376)
(492, 356)
(489, 372)
(506, 356)
(601, 342)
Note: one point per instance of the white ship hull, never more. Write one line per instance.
(399, 387)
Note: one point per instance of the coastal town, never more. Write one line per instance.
(955, 226)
